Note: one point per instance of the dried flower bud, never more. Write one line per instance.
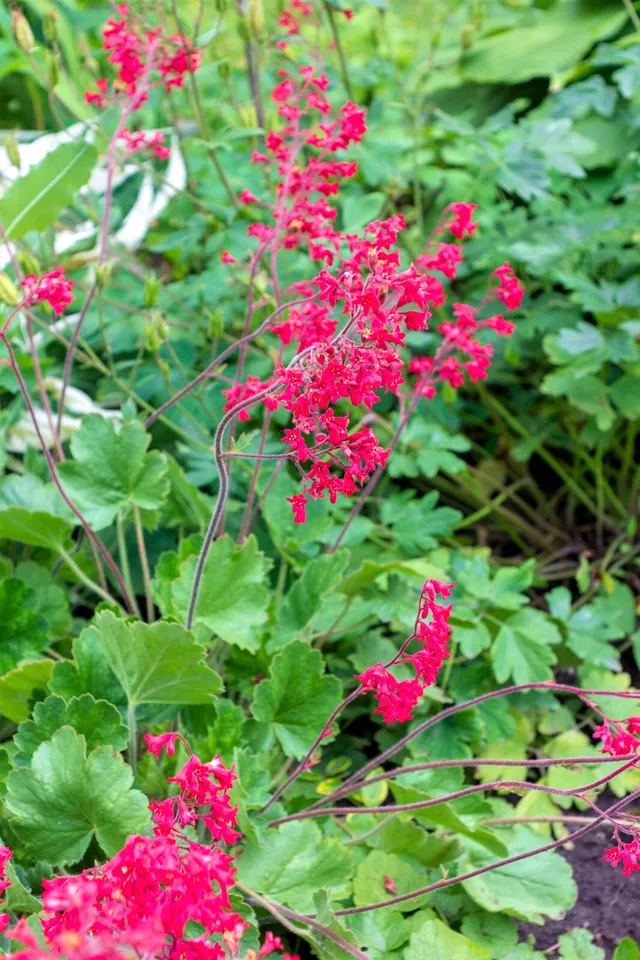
(50, 26)
(22, 31)
(11, 146)
(8, 291)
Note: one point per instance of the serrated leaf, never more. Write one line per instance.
(521, 648)
(66, 798)
(297, 699)
(88, 672)
(52, 601)
(112, 471)
(23, 631)
(34, 201)
(437, 941)
(233, 599)
(493, 931)
(99, 722)
(34, 527)
(156, 663)
(17, 688)
(579, 945)
(304, 599)
(371, 876)
(17, 898)
(294, 863)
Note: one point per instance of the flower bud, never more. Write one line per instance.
(221, 6)
(22, 31)
(243, 30)
(50, 26)
(53, 74)
(152, 340)
(28, 262)
(467, 36)
(11, 146)
(152, 287)
(103, 274)
(8, 291)
(223, 69)
(255, 16)
(216, 324)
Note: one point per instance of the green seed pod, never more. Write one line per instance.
(53, 74)
(152, 338)
(50, 27)
(223, 69)
(22, 31)
(221, 6)
(8, 291)
(102, 275)
(255, 16)
(216, 324)
(243, 31)
(152, 287)
(11, 146)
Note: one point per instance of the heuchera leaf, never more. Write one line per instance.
(99, 722)
(66, 798)
(304, 599)
(157, 663)
(233, 600)
(372, 873)
(297, 699)
(437, 941)
(34, 527)
(23, 631)
(111, 471)
(294, 863)
(17, 688)
(88, 672)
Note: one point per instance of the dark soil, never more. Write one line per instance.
(607, 903)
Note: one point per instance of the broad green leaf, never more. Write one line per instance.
(627, 949)
(579, 945)
(370, 571)
(67, 798)
(297, 698)
(493, 931)
(376, 870)
(418, 525)
(52, 601)
(17, 688)
(503, 750)
(112, 470)
(24, 632)
(304, 599)
(233, 598)
(17, 898)
(34, 527)
(521, 648)
(34, 201)
(380, 931)
(157, 663)
(326, 947)
(294, 863)
(99, 722)
(531, 889)
(573, 743)
(437, 941)
(88, 672)
(472, 638)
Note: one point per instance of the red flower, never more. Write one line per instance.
(53, 288)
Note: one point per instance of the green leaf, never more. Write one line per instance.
(157, 663)
(17, 898)
(17, 688)
(579, 945)
(418, 525)
(627, 949)
(625, 393)
(380, 931)
(34, 527)
(437, 941)
(325, 947)
(297, 699)
(233, 599)
(521, 648)
(532, 888)
(52, 601)
(472, 638)
(294, 863)
(24, 632)
(493, 931)
(34, 201)
(304, 599)
(99, 723)
(88, 672)
(374, 871)
(66, 798)
(112, 471)
(357, 212)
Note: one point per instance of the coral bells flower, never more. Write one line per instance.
(397, 698)
(5, 856)
(139, 141)
(628, 854)
(460, 222)
(509, 288)
(143, 59)
(52, 288)
(149, 898)
(616, 741)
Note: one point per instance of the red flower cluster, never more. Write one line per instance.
(628, 854)
(615, 740)
(270, 945)
(143, 899)
(291, 19)
(397, 698)
(5, 856)
(53, 288)
(137, 53)
(139, 141)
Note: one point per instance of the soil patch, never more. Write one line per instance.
(607, 903)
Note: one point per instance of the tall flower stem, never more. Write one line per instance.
(144, 563)
(124, 560)
(56, 479)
